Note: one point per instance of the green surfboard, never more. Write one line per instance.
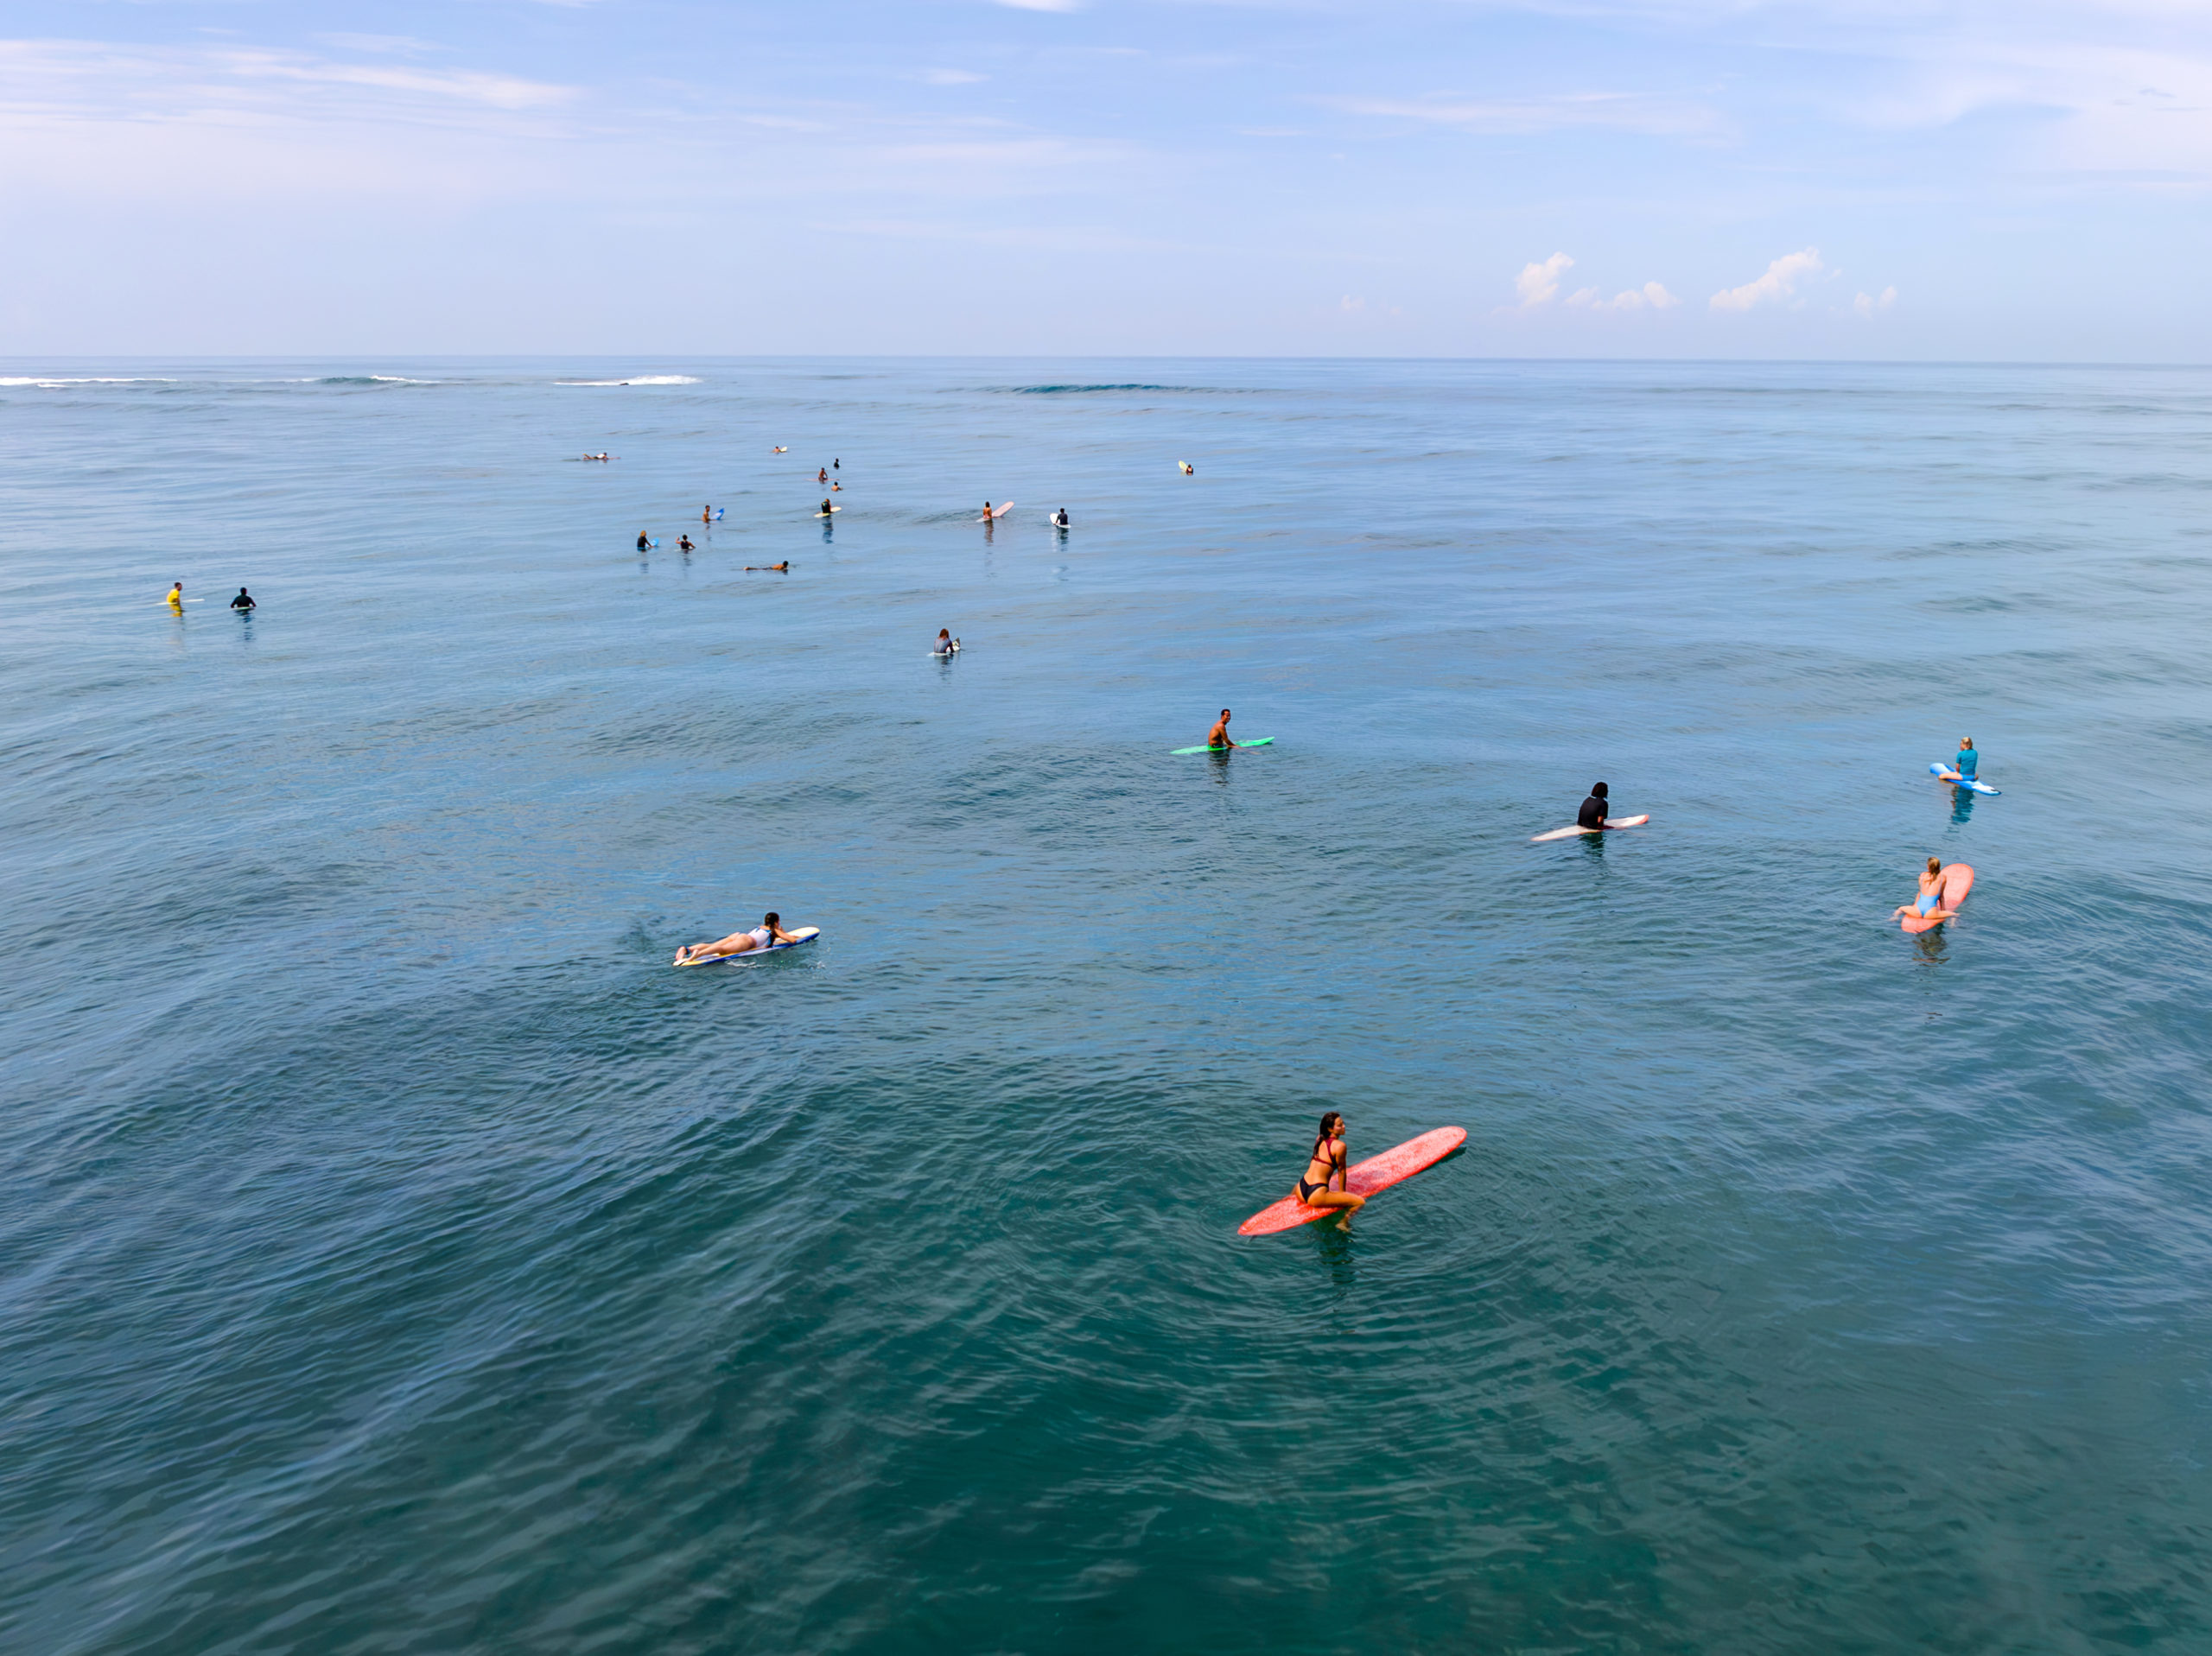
(1256, 741)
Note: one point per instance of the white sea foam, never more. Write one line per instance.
(643, 379)
(85, 379)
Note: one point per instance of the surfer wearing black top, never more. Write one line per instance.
(242, 602)
(1592, 814)
(1326, 1183)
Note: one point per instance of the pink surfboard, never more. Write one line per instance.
(1364, 1178)
(1955, 882)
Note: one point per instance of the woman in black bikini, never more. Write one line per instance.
(1324, 1184)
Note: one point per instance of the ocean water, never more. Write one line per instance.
(397, 1256)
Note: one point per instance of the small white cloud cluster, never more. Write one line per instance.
(1867, 304)
(1780, 282)
(1539, 284)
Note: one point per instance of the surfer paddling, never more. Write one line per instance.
(783, 568)
(1325, 1184)
(770, 931)
(1925, 906)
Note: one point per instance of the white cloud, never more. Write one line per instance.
(953, 77)
(1626, 111)
(1650, 295)
(1043, 5)
(1350, 303)
(1538, 283)
(1867, 304)
(1779, 283)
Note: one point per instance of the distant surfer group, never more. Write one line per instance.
(176, 600)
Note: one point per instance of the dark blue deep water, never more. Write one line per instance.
(396, 1256)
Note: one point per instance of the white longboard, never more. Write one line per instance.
(804, 934)
(1611, 823)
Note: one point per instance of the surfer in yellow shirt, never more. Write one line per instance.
(176, 596)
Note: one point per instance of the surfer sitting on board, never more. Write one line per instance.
(826, 508)
(1592, 813)
(1324, 1183)
(1218, 736)
(1966, 760)
(644, 541)
(738, 943)
(1931, 893)
(242, 602)
(823, 475)
(946, 644)
(1060, 518)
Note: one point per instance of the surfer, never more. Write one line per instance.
(946, 644)
(242, 602)
(1592, 812)
(1218, 736)
(1931, 893)
(821, 476)
(683, 543)
(176, 596)
(987, 511)
(1968, 758)
(1330, 1189)
(706, 514)
(1060, 518)
(826, 508)
(783, 448)
(645, 542)
(770, 569)
(769, 930)
(836, 465)
(1189, 470)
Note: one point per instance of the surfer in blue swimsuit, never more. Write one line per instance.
(738, 943)
(1931, 893)
(1325, 1181)
(1966, 760)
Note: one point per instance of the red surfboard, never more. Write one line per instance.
(1363, 1178)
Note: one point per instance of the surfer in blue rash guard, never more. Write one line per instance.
(1967, 759)
(1592, 813)
(1326, 1182)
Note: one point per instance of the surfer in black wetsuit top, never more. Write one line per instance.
(645, 542)
(1592, 814)
(242, 602)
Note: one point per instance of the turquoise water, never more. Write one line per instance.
(397, 1256)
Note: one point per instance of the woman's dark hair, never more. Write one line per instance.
(1597, 790)
(773, 918)
(1329, 1121)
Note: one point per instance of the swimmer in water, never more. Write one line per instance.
(836, 465)
(1931, 893)
(837, 488)
(946, 644)
(738, 943)
(683, 543)
(783, 568)
(243, 602)
(1218, 736)
(1326, 1182)
(1592, 813)
(176, 596)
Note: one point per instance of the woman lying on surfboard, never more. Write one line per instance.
(1931, 893)
(738, 943)
(1323, 1185)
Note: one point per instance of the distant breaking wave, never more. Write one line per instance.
(643, 379)
(1059, 390)
(51, 383)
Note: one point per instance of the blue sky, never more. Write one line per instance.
(2023, 180)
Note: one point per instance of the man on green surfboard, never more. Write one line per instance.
(1218, 736)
